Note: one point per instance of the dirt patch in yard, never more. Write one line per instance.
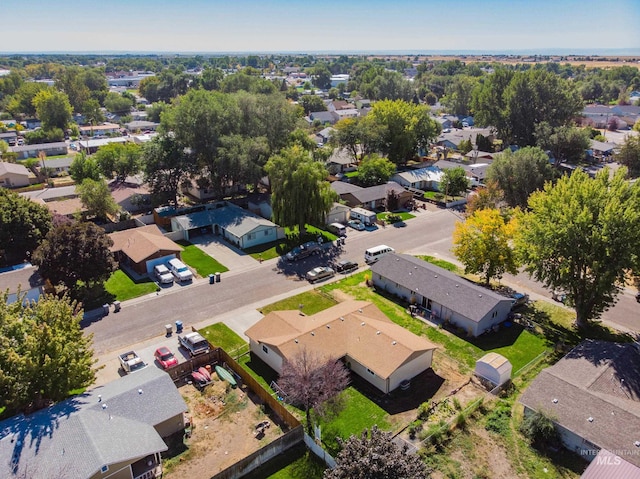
(225, 428)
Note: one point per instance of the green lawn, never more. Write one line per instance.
(351, 174)
(404, 216)
(296, 463)
(123, 287)
(355, 413)
(199, 260)
(442, 263)
(219, 334)
(311, 301)
(291, 239)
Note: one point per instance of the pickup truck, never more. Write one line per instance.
(194, 343)
(302, 251)
(131, 362)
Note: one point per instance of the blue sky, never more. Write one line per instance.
(325, 26)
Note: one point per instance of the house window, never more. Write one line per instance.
(266, 232)
(495, 313)
(251, 236)
(264, 348)
(370, 371)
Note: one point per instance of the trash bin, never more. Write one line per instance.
(217, 277)
(116, 306)
(169, 329)
(212, 278)
(105, 309)
(178, 327)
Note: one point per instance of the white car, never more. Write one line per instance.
(180, 270)
(162, 274)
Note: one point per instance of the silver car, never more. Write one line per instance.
(162, 274)
(320, 273)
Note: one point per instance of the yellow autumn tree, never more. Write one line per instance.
(483, 243)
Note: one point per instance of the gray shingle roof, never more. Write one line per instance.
(235, 220)
(75, 438)
(438, 284)
(374, 193)
(597, 379)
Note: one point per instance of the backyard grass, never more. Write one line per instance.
(354, 413)
(220, 335)
(311, 301)
(278, 248)
(199, 260)
(122, 287)
(296, 463)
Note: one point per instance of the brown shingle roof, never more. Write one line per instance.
(140, 243)
(354, 328)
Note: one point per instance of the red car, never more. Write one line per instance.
(165, 357)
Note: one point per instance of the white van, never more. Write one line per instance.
(338, 229)
(374, 254)
(180, 270)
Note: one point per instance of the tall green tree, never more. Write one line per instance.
(405, 127)
(629, 155)
(117, 103)
(454, 181)
(44, 355)
(521, 173)
(375, 170)
(95, 196)
(300, 193)
(582, 236)
(458, 95)
(312, 103)
(73, 253)
(21, 102)
(53, 109)
(23, 224)
(566, 143)
(483, 243)
(166, 164)
(374, 455)
(92, 112)
(119, 160)
(83, 167)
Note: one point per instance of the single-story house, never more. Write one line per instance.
(324, 135)
(33, 151)
(112, 431)
(348, 113)
(13, 175)
(373, 197)
(593, 397)
(453, 138)
(131, 196)
(143, 248)
(10, 137)
(603, 150)
(203, 191)
(476, 173)
(341, 161)
(324, 117)
(142, 138)
(91, 146)
(370, 344)
(104, 129)
(427, 178)
(440, 294)
(142, 125)
(58, 165)
(238, 226)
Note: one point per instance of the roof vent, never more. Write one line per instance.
(415, 267)
(295, 340)
(139, 391)
(104, 406)
(328, 326)
(360, 310)
(394, 342)
(341, 318)
(410, 273)
(377, 332)
(397, 259)
(637, 443)
(435, 275)
(555, 401)
(479, 296)
(313, 333)
(590, 419)
(99, 397)
(362, 323)
(457, 285)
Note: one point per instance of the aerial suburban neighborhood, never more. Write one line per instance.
(336, 265)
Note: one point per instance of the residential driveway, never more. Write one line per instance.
(230, 256)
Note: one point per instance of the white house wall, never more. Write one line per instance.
(271, 357)
(411, 369)
(367, 374)
(260, 235)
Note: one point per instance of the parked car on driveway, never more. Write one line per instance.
(162, 274)
(356, 225)
(320, 273)
(346, 266)
(165, 357)
(302, 251)
(180, 270)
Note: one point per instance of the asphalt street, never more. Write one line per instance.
(203, 303)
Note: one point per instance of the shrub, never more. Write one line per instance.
(498, 419)
(539, 429)
(456, 404)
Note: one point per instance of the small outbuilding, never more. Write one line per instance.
(495, 368)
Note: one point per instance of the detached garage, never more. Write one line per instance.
(494, 368)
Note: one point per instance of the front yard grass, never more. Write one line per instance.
(123, 287)
(199, 260)
(442, 263)
(311, 301)
(220, 335)
(402, 214)
(292, 239)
